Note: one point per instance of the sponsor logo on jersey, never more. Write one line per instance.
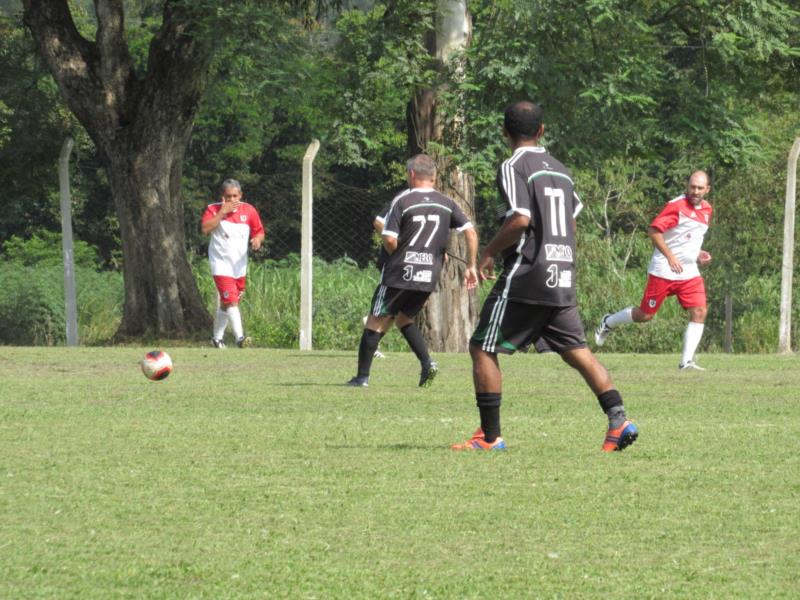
(565, 279)
(558, 252)
(423, 276)
(419, 258)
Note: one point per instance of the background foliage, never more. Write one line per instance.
(636, 96)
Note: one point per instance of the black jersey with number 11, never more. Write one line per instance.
(540, 269)
(421, 220)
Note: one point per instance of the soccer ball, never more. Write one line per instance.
(156, 365)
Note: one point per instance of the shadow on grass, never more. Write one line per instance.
(387, 446)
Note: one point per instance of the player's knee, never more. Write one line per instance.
(698, 314)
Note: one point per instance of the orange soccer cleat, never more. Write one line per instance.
(621, 437)
(477, 442)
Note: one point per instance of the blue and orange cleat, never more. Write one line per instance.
(621, 437)
(478, 442)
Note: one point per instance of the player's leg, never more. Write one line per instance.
(226, 287)
(235, 315)
(652, 298)
(378, 323)
(621, 432)
(503, 327)
(411, 305)
(564, 333)
(692, 296)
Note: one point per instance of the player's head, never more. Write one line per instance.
(230, 190)
(697, 186)
(421, 169)
(523, 121)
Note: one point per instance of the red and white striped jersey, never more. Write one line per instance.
(683, 226)
(227, 249)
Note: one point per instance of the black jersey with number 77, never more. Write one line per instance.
(540, 269)
(421, 220)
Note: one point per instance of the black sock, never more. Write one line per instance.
(416, 342)
(366, 350)
(611, 403)
(489, 407)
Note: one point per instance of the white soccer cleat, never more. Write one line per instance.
(690, 365)
(601, 333)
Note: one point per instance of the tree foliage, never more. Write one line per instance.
(636, 95)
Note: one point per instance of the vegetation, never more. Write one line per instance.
(253, 474)
(635, 96)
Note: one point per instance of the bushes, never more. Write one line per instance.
(271, 305)
(32, 293)
(32, 303)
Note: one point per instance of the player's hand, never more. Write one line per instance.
(675, 265)
(486, 269)
(471, 278)
(703, 258)
(255, 244)
(229, 207)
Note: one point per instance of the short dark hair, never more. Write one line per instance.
(523, 120)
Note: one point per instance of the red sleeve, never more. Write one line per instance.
(667, 218)
(211, 210)
(256, 228)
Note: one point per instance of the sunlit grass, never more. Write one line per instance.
(256, 474)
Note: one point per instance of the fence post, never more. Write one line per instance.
(70, 301)
(727, 344)
(306, 248)
(785, 330)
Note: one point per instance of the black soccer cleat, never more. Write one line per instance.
(358, 382)
(428, 374)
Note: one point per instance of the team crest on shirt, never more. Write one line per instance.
(225, 294)
(651, 303)
(418, 258)
(558, 252)
(243, 218)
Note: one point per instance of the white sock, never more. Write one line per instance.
(235, 318)
(691, 338)
(220, 323)
(622, 317)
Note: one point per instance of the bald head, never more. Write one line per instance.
(697, 187)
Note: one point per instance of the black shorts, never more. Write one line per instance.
(389, 301)
(506, 327)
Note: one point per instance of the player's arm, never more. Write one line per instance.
(257, 240)
(389, 243)
(211, 222)
(509, 234)
(471, 274)
(657, 237)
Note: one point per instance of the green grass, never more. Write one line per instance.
(254, 474)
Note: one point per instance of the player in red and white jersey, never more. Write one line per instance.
(677, 234)
(233, 226)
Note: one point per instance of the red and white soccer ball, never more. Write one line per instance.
(156, 365)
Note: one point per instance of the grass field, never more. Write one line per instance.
(256, 474)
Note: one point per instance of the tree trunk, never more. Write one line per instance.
(141, 126)
(449, 317)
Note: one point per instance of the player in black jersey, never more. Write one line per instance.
(415, 237)
(534, 298)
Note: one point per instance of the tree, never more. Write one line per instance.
(449, 316)
(140, 124)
